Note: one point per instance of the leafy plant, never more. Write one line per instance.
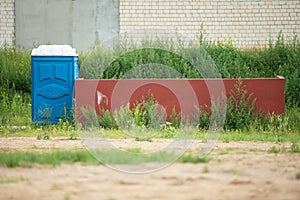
(146, 113)
(106, 120)
(203, 116)
(168, 130)
(240, 108)
(175, 119)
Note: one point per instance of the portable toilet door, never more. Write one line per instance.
(54, 69)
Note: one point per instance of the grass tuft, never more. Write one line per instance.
(129, 156)
(12, 179)
(205, 169)
(55, 158)
(298, 176)
(190, 158)
(293, 149)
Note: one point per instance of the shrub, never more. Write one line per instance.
(175, 119)
(139, 57)
(15, 74)
(143, 113)
(94, 62)
(239, 114)
(203, 117)
(240, 108)
(106, 120)
(146, 112)
(281, 57)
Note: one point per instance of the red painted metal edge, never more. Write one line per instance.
(179, 94)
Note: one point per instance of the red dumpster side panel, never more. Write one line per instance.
(181, 94)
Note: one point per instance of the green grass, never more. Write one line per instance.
(12, 179)
(260, 136)
(54, 158)
(190, 158)
(274, 149)
(56, 186)
(134, 150)
(134, 156)
(58, 157)
(293, 149)
(62, 129)
(205, 169)
(257, 134)
(145, 139)
(226, 136)
(15, 108)
(236, 172)
(50, 131)
(298, 176)
(67, 196)
(15, 73)
(227, 150)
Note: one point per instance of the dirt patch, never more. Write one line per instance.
(32, 143)
(238, 170)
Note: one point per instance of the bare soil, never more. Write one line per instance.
(238, 170)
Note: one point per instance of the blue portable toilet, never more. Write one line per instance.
(54, 69)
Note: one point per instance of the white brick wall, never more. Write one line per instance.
(7, 22)
(247, 23)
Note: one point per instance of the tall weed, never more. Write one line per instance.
(15, 68)
(240, 108)
(15, 109)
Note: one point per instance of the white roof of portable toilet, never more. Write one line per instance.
(54, 50)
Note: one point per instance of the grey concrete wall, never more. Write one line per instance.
(75, 22)
(84, 26)
(107, 18)
(43, 21)
(7, 22)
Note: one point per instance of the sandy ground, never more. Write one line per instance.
(238, 170)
